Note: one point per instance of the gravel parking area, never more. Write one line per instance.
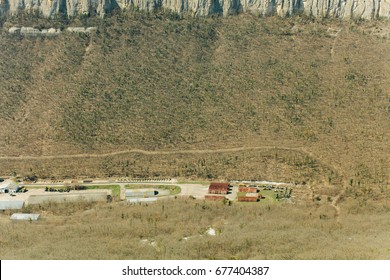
(41, 192)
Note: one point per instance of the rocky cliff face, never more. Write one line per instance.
(367, 9)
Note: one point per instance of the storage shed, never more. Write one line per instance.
(248, 197)
(141, 193)
(25, 217)
(8, 186)
(247, 189)
(95, 196)
(219, 188)
(11, 204)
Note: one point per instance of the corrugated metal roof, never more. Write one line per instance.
(8, 184)
(219, 185)
(11, 204)
(247, 194)
(251, 195)
(25, 217)
(67, 197)
(247, 189)
(247, 198)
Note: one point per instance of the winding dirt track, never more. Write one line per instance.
(161, 152)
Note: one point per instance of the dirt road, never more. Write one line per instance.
(161, 152)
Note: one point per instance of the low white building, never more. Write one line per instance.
(8, 186)
(25, 217)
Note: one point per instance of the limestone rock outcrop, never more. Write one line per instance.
(345, 9)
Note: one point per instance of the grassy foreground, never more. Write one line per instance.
(176, 229)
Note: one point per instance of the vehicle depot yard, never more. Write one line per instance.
(134, 192)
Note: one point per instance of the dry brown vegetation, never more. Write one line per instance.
(158, 83)
(175, 229)
(307, 100)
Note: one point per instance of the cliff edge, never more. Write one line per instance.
(344, 9)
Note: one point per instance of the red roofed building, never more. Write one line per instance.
(219, 188)
(247, 189)
(249, 197)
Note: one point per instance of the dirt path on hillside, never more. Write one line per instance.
(161, 152)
